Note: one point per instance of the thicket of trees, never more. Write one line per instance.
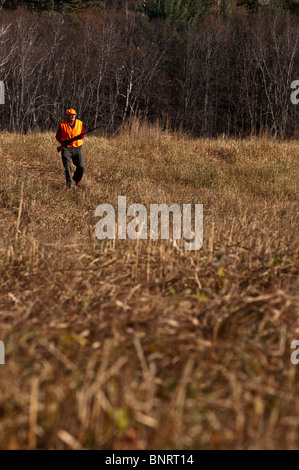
(207, 67)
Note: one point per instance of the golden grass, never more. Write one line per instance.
(139, 344)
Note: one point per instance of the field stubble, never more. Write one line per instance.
(139, 344)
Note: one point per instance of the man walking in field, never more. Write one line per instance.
(71, 151)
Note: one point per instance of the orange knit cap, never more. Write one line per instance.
(71, 111)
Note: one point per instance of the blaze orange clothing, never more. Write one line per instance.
(65, 132)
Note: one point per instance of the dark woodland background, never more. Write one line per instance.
(204, 67)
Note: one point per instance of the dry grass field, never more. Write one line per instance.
(140, 344)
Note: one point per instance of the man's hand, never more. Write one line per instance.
(65, 143)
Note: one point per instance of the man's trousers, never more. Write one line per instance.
(75, 155)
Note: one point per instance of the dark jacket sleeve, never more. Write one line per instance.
(58, 135)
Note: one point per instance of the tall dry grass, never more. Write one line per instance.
(139, 344)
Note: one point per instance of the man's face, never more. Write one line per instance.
(71, 118)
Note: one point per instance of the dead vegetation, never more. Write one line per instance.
(141, 344)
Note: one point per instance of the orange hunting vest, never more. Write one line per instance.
(68, 133)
